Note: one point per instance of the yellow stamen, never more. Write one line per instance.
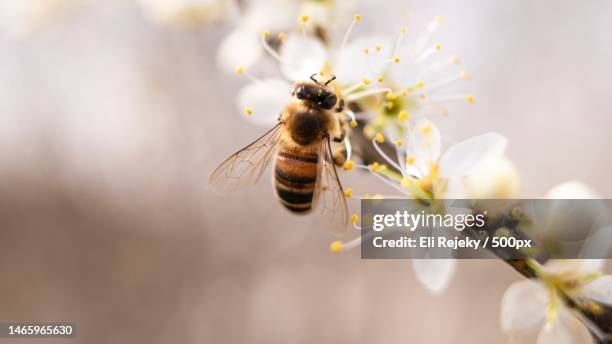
(304, 19)
(348, 192)
(421, 84)
(374, 167)
(410, 160)
(380, 79)
(404, 30)
(336, 246)
(353, 123)
(438, 46)
(399, 142)
(266, 34)
(389, 106)
(239, 70)
(282, 36)
(248, 111)
(378, 48)
(390, 96)
(357, 17)
(396, 59)
(403, 115)
(407, 182)
(366, 51)
(354, 219)
(380, 138)
(366, 82)
(348, 165)
(470, 99)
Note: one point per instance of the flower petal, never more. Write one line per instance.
(266, 99)
(434, 274)
(496, 178)
(424, 144)
(572, 190)
(302, 56)
(523, 306)
(240, 48)
(599, 290)
(263, 15)
(352, 65)
(565, 329)
(575, 267)
(462, 157)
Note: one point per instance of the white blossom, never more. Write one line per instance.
(529, 304)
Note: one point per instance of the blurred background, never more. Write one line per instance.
(111, 121)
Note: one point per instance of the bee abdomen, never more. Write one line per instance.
(295, 175)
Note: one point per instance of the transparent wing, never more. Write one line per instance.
(328, 194)
(246, 166)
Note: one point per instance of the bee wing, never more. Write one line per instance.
(328, 192)
(247, 165)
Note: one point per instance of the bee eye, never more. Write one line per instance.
(329, 101)
(300, 93)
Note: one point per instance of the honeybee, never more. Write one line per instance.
(305, 175)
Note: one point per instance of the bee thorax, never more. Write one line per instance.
(306, 127)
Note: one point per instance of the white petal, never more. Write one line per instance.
(599, 290)
(523, 306)
(496, 178)
(352, 65)
(264, 15)
(598, 244)
(575, 267)
(240, 48)
(565, 329)
(434, 274)
(266, 99)
(572, 190)
(452, 188)
(302, 57)
(462, 157)
(424, 144)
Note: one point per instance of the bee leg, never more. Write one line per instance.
(339, 156)
(342, 132)
(340, 107)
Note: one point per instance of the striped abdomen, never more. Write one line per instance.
(295, 174)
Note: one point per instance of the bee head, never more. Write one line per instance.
(315, 93)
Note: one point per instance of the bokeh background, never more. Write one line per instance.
(111, 122)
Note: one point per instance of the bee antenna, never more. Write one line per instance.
(313, 79)
(330, 80)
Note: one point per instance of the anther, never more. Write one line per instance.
(348, 165)
(336, 246)
(348, 193)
